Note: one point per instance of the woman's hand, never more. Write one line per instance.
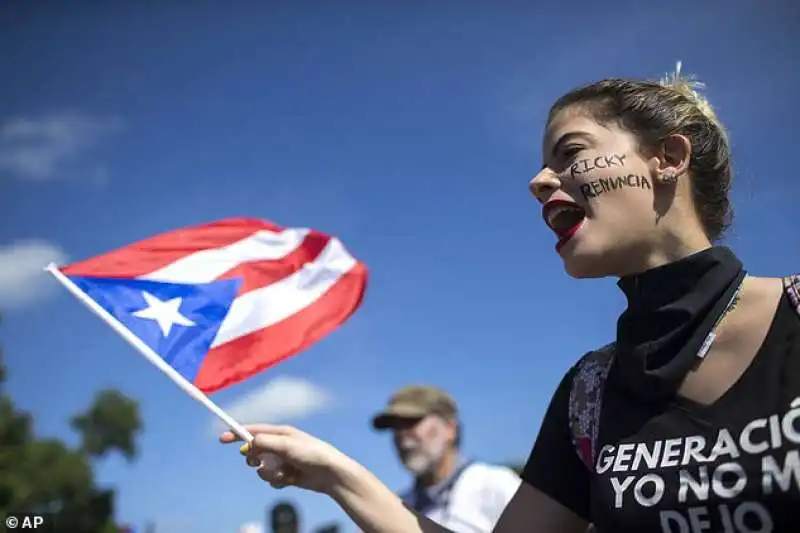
(285, 456)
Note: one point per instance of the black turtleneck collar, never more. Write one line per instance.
(671, 310)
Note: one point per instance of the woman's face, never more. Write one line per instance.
(598, 196)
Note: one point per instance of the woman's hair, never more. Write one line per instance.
(653, 111)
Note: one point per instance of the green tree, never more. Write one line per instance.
(44, 475)
(110, 424)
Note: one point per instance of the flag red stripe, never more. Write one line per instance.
(258, 274)
(158, 251)
(240, 359)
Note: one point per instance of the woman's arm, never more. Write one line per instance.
(376, 509)
(373, 507)
(552, 498)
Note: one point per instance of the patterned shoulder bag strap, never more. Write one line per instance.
(791, 285)
(585, 402)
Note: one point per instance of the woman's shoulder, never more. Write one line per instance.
(584, 375)
(593, 365)
(774, 284)
(589, 371)
(764, 293)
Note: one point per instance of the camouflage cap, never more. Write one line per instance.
(415, 401)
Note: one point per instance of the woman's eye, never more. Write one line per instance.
(570, 152)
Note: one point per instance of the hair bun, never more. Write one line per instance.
(690, 87)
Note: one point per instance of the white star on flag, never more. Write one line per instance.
(165, 313)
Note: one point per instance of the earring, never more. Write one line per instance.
(669, 177)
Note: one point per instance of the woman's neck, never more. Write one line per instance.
(673, 247)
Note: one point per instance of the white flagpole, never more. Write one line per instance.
(148, 353)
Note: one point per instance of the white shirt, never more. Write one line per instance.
(469, 502)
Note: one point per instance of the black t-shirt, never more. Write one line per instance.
(732, 466)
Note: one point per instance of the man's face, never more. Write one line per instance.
(422, 442)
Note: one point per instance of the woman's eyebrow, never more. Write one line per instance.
(568, 136)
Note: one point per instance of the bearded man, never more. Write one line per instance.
(462, 495)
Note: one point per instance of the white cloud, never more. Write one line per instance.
(280, 400)
(37, 149)
(22, 280)
(252, 527)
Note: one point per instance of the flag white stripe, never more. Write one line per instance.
(261, 308)
(208, 265)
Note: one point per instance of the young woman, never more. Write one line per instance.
(699, 425)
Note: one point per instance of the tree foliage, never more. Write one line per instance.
(45, 475)
(109, 424)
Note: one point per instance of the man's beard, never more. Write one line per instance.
(422, 460)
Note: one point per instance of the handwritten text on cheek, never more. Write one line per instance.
(600, 162)
(595, 188)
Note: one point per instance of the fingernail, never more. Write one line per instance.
(245, 448)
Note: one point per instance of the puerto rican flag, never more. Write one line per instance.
(222, 301)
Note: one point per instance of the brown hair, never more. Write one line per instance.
(655, 110)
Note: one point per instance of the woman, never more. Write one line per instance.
(699, 425)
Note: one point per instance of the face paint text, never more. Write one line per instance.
(595, 188)
(600, 162)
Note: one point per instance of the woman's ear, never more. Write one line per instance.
(672, 159)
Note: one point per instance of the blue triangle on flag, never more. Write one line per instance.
(179, 321)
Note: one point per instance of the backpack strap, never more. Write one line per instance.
(585, 402)
(791, 285)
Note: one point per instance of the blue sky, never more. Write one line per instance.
(411, 133)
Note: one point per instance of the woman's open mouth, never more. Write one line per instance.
(564, 218)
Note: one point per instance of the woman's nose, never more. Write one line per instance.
(544, 184)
